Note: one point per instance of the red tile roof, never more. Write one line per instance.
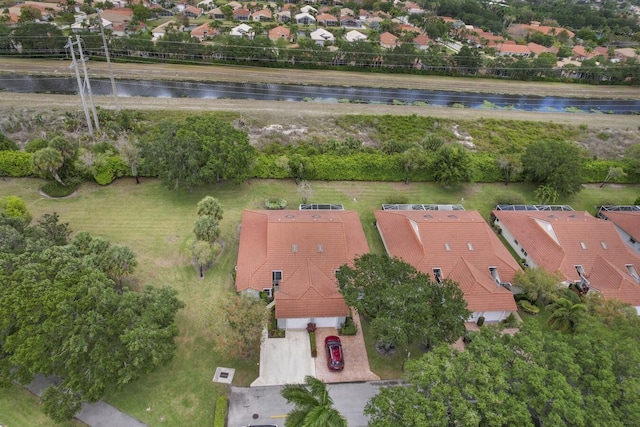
(558, 241)
(629, 222)
(307, 246)
(461, 244)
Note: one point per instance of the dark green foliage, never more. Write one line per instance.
(201, 149)
(510, 198)
(62, 314)
(349, 327)
(104, 148)
(55, 189)
(109, 168)
(15, 163)
(404, 304)
(7, 144)
(555, 164)
(532, 378)
(452, 164)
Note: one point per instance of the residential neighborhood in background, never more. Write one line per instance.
(501, 41)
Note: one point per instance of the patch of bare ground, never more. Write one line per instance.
(610, 143)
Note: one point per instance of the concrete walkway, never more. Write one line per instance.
(98, 414)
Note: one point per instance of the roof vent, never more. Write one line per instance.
(294, 248)
(583, 245)
(447, 247)
(288, 216)
(320, 248)
(470, 246)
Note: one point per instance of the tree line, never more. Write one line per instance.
(67, 311)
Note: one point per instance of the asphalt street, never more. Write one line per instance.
(264, 405)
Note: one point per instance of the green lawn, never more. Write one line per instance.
(156, 223)
(19, 407)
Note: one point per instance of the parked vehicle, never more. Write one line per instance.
(335, 358)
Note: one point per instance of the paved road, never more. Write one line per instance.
(268, 407)
(99, 414)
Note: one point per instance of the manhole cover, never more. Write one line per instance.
(255, 416)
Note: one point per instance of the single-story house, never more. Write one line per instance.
(242, 30)
(322, 37)
(304, 18)
(241, 14)
(217, 13)
(280, 32)
(457, 245)
(354, 36)
(262, 15)
(294, 255)
(204, 32)
(389, 41)
(587, 251)
(327, 20)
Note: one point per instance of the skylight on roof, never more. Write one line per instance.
(603, 244)
(447, 247)
(470, 246)
(583, 245)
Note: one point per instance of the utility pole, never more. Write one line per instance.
(74, 65)
(114, 89)
(87, 82)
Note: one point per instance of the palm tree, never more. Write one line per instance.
(48, 160)
(565, 315)
(313, 407)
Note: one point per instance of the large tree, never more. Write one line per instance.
(313, 407)
(557, 164)
(198, 150)
(403, 302)
(61, 315)
(452, 164)
(531, 378)
(237, 324)
(48, 161)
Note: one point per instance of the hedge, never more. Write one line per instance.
(15, 163)
(596, 171)
(113, 167)
(220, 417)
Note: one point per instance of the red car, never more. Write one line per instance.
(335, 357)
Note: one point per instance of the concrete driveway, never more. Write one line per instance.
(285, 360)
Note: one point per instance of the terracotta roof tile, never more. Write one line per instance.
(307, 246)
(558, 241)
(461, 244)
(629, 222)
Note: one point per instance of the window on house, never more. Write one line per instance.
(515, 241)
(580, 270)
(495, 275)
(276, 277)
(437, 275)
(633, 272)
(632, 240)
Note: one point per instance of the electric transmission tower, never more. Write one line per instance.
(83, 83)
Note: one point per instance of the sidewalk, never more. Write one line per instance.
(98, 414)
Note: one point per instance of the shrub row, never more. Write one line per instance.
(220, 417)
(15, 163)
(383, 167)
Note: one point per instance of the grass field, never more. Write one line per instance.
(156, 223)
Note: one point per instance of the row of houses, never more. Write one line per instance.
(294, 254)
